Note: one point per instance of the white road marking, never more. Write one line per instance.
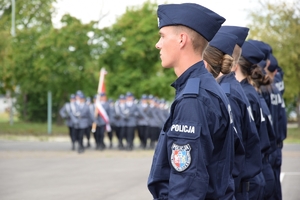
(283, 174)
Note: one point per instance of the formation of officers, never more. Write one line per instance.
(224, 135)
(122, 119)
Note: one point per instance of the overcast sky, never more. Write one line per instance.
(235, 11)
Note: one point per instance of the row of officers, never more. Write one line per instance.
(224, 135)
(121, 118)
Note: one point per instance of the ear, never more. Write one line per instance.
(234, 67)
(183, 37)
(205, 64)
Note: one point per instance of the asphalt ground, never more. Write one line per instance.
(50, 170)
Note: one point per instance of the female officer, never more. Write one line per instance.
(218, 59)
(263, 80)
(250, 56)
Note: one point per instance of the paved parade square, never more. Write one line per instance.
(50, 170)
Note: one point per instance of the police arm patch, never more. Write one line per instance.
(181, 157)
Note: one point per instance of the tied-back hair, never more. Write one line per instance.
(217, 61)
(254, 73)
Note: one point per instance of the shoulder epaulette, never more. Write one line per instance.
(192, 87)
(225, 87)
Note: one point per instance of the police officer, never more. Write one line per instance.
(99, 119)
(194, 152)
(120, 114)
(130, 119)
(248, 61)
(242, 114)
(66, 112)
(153, 122)
(89, 128)
(276, 156)
(142, 120)
(271, 108)
(219, 61)
(111, 115)
(83, 117)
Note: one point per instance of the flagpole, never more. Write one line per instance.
(101, 80)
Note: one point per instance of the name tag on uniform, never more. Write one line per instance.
(183, 128)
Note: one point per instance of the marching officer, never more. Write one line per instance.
(100, 121)
(120, 113)
(131, 113)
(83, 117)
(67, 113)
(142, 120)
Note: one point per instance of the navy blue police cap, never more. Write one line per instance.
(201, 19)
(263, 47)
(240, 32)
(129, 94)
(79, 92)
(273, 63)
(262, 64)
(72, 96)
(225, 42)
(81, 95)
(102, 94)
(251, 53)
(122, 96)
(150, 97)
(144, 96)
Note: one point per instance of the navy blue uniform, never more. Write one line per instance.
(195, 151)
(249, 165)
(257, 182)
(267, 168)
(275, 103)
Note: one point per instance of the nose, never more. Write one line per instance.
(157, 45)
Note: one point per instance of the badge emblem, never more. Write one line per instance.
(181, 157)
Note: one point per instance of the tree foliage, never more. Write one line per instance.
(41, 58)
(130, 56)
(278, 24)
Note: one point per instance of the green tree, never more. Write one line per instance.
(278, 24)
(64, 63)
(32, 19)
(130, 57)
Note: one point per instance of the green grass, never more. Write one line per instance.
(33, 129)
(40, 131)
(4, 117)
(293, 136)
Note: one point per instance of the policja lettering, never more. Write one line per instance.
(183, 128)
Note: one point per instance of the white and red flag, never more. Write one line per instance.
(100, 109)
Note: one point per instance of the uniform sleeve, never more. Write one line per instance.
(189, 146)
(62, 112)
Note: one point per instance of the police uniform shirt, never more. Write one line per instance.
(263, 132)
(244, 123)
(194, 155)
(254, 102)
(268, 121)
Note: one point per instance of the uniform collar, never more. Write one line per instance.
(226, 77)
(244, 81)
(193, 71)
